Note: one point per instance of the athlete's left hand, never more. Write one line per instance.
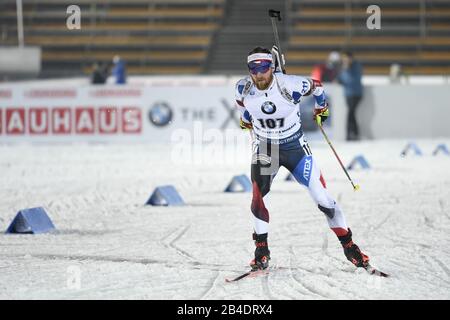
(245, 125)
(321, 114)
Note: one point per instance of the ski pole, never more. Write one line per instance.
(273, 14)
(355, 186)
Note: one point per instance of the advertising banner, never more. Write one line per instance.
(112, 113)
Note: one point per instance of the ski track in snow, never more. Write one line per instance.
(95, 196)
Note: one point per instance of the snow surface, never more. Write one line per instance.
(120, 249)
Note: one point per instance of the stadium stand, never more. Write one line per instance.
(213, 36)
(246, 25)
(414, 34)
(153, 36)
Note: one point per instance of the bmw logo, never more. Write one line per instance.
(160, 114)
(268, 107)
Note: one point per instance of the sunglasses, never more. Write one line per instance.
(261, 66)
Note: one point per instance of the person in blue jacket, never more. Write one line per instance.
(350, 78)
(119, 71)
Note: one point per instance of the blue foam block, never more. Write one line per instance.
(32, 220)
(411, 146)
(441, 148)
(165, 196)
(239, 184)
(358, 160)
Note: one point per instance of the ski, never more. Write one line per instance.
(248, 274)
(254, 273)
(373, 271)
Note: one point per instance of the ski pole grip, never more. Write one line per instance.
(275, 14)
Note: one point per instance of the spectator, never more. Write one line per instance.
(350, 78)
(328, 71)
(118, 70)
(99, 74)
(395, 73)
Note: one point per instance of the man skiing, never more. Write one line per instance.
(268, 101)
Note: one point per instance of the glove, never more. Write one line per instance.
(277, 60)
(321, 114)
(245, 125)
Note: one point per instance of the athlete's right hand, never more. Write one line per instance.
(245, 125)
(278, 60)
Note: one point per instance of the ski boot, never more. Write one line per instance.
(352, 251)
(262, 253)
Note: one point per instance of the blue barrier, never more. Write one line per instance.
(239, 184)
(165, 196)
(443, 148)
(32, 220)
(358, 160)
(411, 146)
